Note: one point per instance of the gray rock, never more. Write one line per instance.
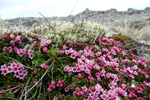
(147, 9)
(130, 11)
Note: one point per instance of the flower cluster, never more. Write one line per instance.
(30, 53)
(51, 86)
(45, 67)
(21, 52)
(100, 70)
(16, 68)
(44, 44)
(0, 37)
(104, 67)
(69, 87)
(7, 48)
(60, 84)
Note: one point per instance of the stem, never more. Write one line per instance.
(33, 95)
(26, 87)
(11, 88)
(38, 81)
(40, 91)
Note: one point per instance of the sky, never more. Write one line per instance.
(51, 8)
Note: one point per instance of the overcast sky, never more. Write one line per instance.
(50, 8)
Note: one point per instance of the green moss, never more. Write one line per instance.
(123, 39)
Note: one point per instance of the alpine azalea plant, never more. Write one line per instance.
(34, 67)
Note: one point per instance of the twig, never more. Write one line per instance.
(52, 71)
(10, 89)
(26, 87)
(8, 98)
(33, 96)
(39, 80)
(47, 21)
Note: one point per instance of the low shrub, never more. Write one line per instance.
(34, 68)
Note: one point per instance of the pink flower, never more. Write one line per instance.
(66, 89)
(12, 36)
(60, 52)
(4, 72)
(104, 96)
(98, 53)
(34, 72)
(31, 56)
(139, 98)
(52, 82)
(67, 52)
(122, 53)
(96, 47)
(74, 69)
(102, 73)
(30, 51)
(45, 43)
(12, 42)
(98, 78)
(131, 76)
(148, 96)
(34, 43)
(0, 37)
(44, 66)
(21, 52)
(9, 69)
(97, 74)
(45, 49)
(82, 57)
(3, 67)
(30, 39)
(80, 93)
(55, 98)
(1, 91)
(92, 79)
(64, 47)
(105, 50)
(19, 32)
(77, 89)
(7, 48)
(96, 67)
(79, 75)
(84, 89)
(112, 85)
(131, 95)
(18, 39)
(8, 87)
(66, 68)
(15, 68)
(37, 37)
(73, 55)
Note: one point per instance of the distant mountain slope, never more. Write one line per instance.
(131, 16)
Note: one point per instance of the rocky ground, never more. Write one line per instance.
(133, 19)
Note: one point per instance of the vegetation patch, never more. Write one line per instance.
(34, 67)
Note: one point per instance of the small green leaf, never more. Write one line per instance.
(34, 61)
(52, 50)
(35, 55)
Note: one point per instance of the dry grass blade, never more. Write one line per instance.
(39, 80)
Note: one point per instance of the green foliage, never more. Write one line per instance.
(38, 57)
(52, 50)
